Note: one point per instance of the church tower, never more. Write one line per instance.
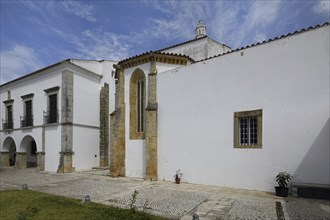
(200, 29)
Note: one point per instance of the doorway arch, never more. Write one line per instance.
(10, 146)
(29, 146)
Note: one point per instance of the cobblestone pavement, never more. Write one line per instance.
(175, 201)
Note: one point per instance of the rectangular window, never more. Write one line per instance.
(27, 119)
(248, 129)
(10, 123)
(51, 115)
(53, 108)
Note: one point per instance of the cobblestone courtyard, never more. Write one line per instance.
(166, 198)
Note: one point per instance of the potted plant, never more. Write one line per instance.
(282, 179)
(178, 176)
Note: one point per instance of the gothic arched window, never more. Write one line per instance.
(140, 105)
(137, 104)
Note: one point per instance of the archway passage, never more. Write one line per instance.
(10, 146)
(12, 154)
(30, 147)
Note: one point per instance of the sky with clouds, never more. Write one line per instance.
(35, 34)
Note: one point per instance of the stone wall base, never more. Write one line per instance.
(4, 159)
(21, 160)
(65, 165)
(41, 161)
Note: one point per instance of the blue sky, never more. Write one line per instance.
(35, 34)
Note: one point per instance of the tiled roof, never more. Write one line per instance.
(155, 52)
(270, 40)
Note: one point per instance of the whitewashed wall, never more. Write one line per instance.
(86, 118)
(52, 147)
(86, 147)
(199, 49)
(86, 101)
(135, 149)
(36, 85)
(103, 68)
(287, 78)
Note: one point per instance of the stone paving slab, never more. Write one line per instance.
(175, 201)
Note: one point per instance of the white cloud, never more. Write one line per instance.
(245, 22)
(17, 61)
(322, 7)
(80, 9)
(54, 8)
(237, 23)
(96, 44)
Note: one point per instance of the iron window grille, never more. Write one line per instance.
(7, 124)
(248, 130)
(50, 117)
(26, 121)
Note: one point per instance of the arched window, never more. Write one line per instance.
(137, 104)
(140, 105)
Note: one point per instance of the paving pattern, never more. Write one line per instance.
(252, 208)
(307, 209)
(175, 201)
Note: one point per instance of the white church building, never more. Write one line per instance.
(223, 117)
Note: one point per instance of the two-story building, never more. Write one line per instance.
(51, 117)
(223, 117)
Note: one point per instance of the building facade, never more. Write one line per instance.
(51, 118)
(223, 117)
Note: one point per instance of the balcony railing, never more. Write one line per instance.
(7, 124)
(50, 117)
(26, 121)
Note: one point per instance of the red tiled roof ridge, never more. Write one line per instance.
(155, 52)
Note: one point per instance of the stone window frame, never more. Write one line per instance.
(25, 98)
(135, 134)
(9, 102)
(52, 91)
(252, 113)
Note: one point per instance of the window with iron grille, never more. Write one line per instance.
(52, 114)
(9, 122)
(248, 129)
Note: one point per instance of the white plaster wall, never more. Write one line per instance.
(214, 48)
(52, 147)
(91, 65)
(40, 98)
(287, 78)
(39, 104)
(85, 147)
(86, 101)
(103, 68)
(135, 149)
(199, 49)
